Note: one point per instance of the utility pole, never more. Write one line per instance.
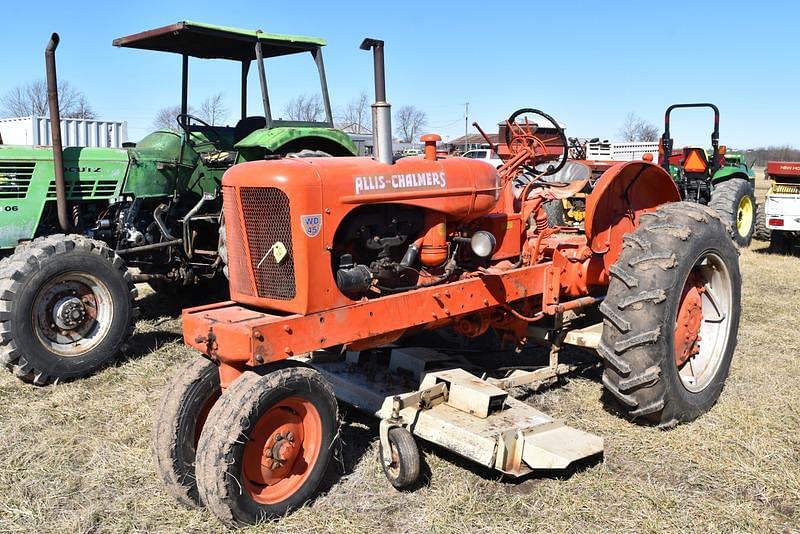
(466, 124)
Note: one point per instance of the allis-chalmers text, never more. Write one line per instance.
(398, 182)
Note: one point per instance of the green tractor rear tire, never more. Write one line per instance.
(762, 232)
(735, 202)
(66, 308)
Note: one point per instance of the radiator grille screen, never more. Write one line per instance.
(267, 220)
(234, 241)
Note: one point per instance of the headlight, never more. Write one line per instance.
(482, 243)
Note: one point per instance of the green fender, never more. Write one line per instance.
(273, 139)
(733, 171)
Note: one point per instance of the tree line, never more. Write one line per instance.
(30, 99)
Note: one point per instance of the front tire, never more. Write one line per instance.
(66, 308)
(736, 204)
(179, 421)
(671, 315)
(266, 444)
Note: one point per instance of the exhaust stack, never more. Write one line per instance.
(381, 110)
(55, 129)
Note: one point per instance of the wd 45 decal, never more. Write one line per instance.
(311, 224)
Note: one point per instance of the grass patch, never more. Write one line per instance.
(75, 457)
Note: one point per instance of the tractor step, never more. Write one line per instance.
(457, 410)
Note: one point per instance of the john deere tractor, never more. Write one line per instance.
(720, 178)
(73, 221)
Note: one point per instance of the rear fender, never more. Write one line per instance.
(727, 173)
(290, 139)
(622, 194)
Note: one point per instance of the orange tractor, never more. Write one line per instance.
(334, 262)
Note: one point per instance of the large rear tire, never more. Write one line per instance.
(736, 204)
(671, 315)
(762, 232)
(266, 444)
(179, 421)
(66, 308)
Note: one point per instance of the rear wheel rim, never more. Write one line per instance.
(72, 313)
(703, 322)
(282, 451)
(744, 216)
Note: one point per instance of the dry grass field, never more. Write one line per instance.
(76, 458)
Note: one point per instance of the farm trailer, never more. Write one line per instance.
(782, 207)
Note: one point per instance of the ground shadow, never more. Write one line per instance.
(145, 343)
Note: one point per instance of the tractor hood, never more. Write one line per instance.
(273, 139)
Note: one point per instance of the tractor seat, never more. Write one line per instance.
(246, 126)
(572, 173)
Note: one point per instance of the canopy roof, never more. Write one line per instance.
(217, 42)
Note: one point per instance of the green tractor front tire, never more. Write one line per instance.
(66, 308)
(735, 202)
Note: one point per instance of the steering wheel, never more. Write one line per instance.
(521, 136)
(184, 119)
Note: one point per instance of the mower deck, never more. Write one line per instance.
(430, 393)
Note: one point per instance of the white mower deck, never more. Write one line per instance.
(457, 410)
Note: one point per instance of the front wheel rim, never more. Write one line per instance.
(703, 322)
(282, 450)
(744, 216)
(72, 313)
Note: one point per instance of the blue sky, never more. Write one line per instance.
(586, 63)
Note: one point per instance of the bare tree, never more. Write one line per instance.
(30, 99)
(408, 121)
(166, 118)
(213, 109)
(306, 108)
(354, 117)
(636, 129)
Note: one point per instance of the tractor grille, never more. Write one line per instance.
(15, 178)
(234, 241)
(786, 189)
(85, 189)
(267, 220)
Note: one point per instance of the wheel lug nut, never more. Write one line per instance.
(278, 437)
(290, 437)
(268, 454)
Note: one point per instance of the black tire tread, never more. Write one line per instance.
(166, 440)
(225, 425)
(633, 342)
(724, 199)
(24, 263)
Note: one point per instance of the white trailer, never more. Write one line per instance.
(607, 151)
(782, 208)
(35, 131)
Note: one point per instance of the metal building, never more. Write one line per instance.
(34, 131)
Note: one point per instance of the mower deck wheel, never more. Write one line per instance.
(403, 470)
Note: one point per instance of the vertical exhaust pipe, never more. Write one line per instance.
(381, 110)
(55, 130)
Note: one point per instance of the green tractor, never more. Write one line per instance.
(74, 221)
(720, 179)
